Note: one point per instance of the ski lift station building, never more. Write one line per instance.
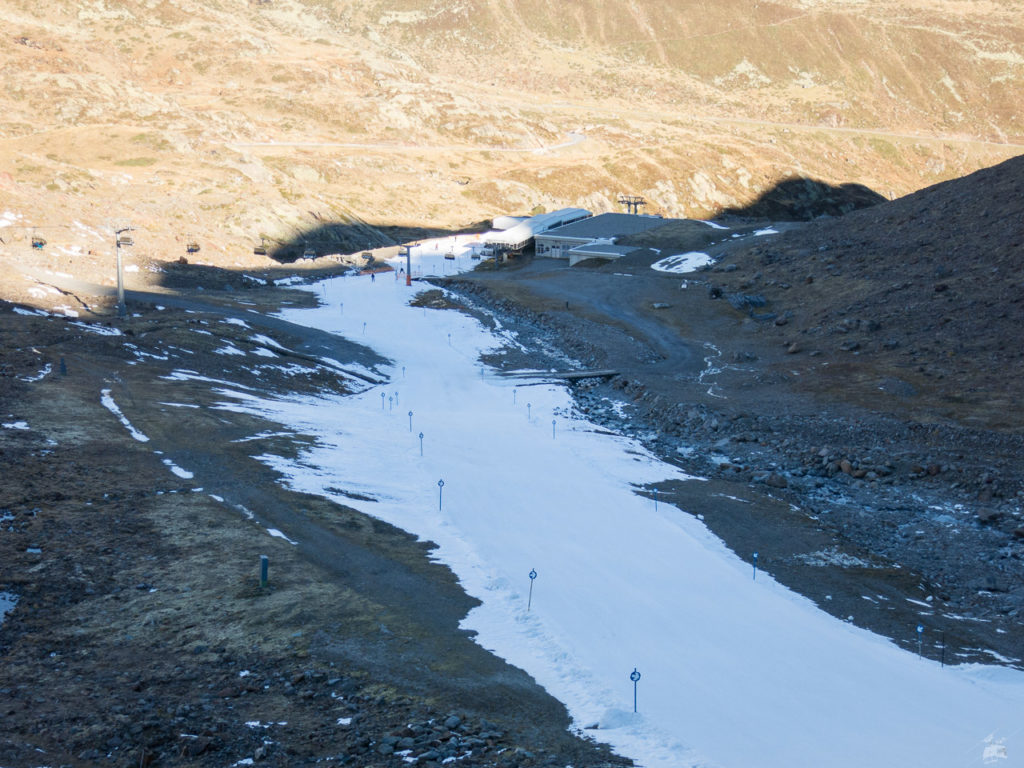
(594, 236)
(520, 232)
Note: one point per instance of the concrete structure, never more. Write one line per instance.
(599, 250)
(601, 229)
(516, 238)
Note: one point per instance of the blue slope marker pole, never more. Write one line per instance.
(440, 490)
(635, 677)
(755, 566)
(421, 443)
(920, 633)
(410, 421)
(533, 575)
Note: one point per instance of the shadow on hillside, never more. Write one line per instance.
(287, 258)
(802, 199)
(337, 238)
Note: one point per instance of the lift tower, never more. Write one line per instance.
(632, 203)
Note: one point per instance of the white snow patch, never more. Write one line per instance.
(766, 231)
(183, 374)
(39, 376)
(266, 340)
(682, 263)
(229, 349)
(101, 330)
(184, 474)
(278, 535)
(15, 425)
(110, 405)
(713, 225)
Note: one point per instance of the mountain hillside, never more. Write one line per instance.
(912, 305)
(223, 121)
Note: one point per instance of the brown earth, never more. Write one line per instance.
(308, 122)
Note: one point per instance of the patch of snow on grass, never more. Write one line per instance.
(184, 474)
(110, 405)
(47, 369)
(278, 535)
(16, 425)
(766, 231)
(259, 338)
(101, 330)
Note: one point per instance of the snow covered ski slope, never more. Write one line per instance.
(735, 672)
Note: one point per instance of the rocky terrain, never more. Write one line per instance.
(301, 122)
